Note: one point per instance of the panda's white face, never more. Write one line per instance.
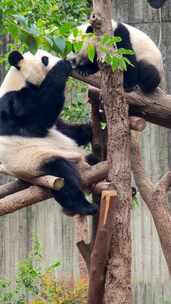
(48, 59)
(32, 68)
(27, 67)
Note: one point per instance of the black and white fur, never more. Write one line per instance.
(31, 98)
(147, 69)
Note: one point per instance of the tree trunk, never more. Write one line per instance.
(118, 279)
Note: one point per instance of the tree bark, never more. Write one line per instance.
(156, 198)
(100, 253)
(154, 108)
(118, 279)
(22, 199)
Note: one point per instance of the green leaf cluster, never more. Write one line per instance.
(42, 23)
(76, 109)
(117, 58)
(35, 283)
(28, 279)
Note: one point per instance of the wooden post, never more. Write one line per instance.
(100, 253)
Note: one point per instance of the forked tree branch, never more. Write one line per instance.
(156, 198)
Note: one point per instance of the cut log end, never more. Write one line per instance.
(137, 123)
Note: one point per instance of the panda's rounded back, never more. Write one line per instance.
(144, 47)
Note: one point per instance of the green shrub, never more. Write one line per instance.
(35, 283)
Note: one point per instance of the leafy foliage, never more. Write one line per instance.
(36, 283)
(114, 57)
(76, 109)
(42, 23)
(48, 24)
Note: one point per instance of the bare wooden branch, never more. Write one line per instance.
(99, 256)
(155, 196)
(35, 194)
(137, 123)
(95, 174)
(103, 186)
(12, 187)
(155, 108)
(99, 150)
(93, 80)
(48, 181)
(85, 251)
(144, 184)
(24, 198)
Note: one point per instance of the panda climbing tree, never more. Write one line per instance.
(144, 65)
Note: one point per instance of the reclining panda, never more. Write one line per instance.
(31, 99)
(146, 70)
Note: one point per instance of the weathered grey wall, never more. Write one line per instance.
(55, 231)
(150, 274)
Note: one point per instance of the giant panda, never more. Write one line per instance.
(146, 70)
(31, 98)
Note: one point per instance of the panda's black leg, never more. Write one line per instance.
(130, 78)
(70, 197)
(81, 133)
(148, 77)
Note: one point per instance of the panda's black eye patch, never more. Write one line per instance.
(45, 60)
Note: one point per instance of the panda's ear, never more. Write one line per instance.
(45, 60)
(14, 58)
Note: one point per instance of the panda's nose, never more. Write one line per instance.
(73, 63)
(72, 58)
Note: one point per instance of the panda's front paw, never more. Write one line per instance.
(83, 73)
(62, 67)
